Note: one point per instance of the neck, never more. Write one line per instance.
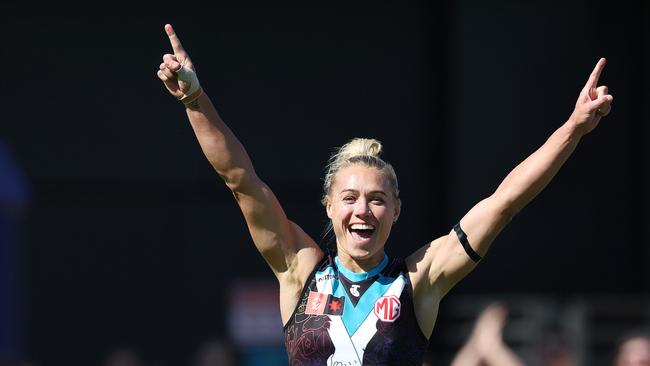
(358, 265)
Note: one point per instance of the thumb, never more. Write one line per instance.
(170, 83)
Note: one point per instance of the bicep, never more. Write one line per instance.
(485, 221)
(451, 260)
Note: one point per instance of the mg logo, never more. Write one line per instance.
(387, 308)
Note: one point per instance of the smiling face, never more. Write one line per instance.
(362, 207)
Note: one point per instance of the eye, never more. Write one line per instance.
(377, 200)
(348, 199)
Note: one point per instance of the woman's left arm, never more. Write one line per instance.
(449, 259)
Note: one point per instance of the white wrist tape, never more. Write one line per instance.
(188, 76)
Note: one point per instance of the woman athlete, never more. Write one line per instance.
(356, 306)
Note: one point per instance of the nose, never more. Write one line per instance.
(362, 209)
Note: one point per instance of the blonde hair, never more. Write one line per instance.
(358, 151)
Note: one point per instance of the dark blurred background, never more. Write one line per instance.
(116, 232)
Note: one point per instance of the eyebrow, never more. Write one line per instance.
(357, 192)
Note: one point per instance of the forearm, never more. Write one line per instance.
(219, 144)
(532, 175)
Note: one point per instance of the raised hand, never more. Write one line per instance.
(177, 71)
(488, 330)
(594, 102)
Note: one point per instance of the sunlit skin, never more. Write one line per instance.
(361, 195)
(361, 203)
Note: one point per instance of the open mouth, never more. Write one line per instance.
(361, 231)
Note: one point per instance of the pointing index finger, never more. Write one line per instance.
(593, 78)
(174, 40)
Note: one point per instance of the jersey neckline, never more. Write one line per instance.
(360, 276)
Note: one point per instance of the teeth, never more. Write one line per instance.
(362, 227)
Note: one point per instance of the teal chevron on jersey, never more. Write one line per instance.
(380, 329)
(353, 318)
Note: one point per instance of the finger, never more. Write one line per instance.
(170, 57)
(162, 76)
(605, 107)
(174, 40)
(598, 92)
(595, 74)
(167, 72)
(171, 62)
(165, 69)
(170, 84)
(601, 103)
(604, 110)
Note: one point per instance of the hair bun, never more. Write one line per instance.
(359, 147)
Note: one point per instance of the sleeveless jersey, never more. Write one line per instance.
(345, 318)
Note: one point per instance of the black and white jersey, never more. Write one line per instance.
(346, 318)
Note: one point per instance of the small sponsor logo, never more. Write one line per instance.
(325, 277)
(387, 308)
(354, 290)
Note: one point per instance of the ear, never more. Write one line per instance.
(328, 208)
(398, 209)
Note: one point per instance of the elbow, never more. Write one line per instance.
(237, 179)
(509, 212)
(510, 207)
(507, 208)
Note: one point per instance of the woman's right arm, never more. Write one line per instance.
(287, 249)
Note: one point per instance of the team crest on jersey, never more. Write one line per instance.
(387, 308)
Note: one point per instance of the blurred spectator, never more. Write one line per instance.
(486, 346)
(554, 349)
(123, 356)
(633, 350)
(216, 352)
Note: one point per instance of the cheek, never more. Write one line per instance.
(381, 212)
(338, 212)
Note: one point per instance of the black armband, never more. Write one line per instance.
(463, 240)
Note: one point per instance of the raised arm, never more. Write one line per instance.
(279, 240)
(486, 345)
(446, 260)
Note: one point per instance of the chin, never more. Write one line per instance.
(360, 251)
